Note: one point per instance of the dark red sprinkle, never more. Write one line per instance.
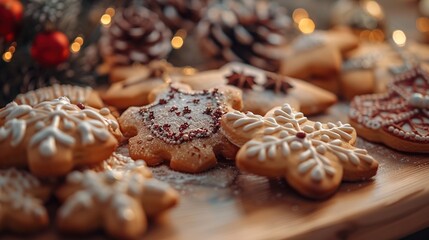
(196, 101)
(162, 101)
(183, 127)
(173, 108)
(301, 135)
(186, 110)
(81, 106)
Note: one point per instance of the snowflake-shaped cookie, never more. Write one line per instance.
(21, 207)
(182, 127)
(54, 136)
(398, 118)
(313, 157)
(118, 201)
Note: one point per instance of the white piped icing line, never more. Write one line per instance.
(288, 132)
(54, 122)
(112, 188)
(15, 186)
(403, 111)
(76, 94)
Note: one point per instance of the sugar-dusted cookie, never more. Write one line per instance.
(398, 118)
(21, 201)
(139, 82)
(76, 94)
(181, 126)
(263, 90)
(55, 136)
(118, 201)
(313, 157)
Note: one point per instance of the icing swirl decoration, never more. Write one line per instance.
(402, 112)
(287, 140)
(179, 116)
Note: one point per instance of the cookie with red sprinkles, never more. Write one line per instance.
(181, 127)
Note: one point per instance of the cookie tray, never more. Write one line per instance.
(224, 203)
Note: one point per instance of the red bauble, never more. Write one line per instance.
(50, 48)
(10, 18)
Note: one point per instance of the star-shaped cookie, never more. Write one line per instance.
(181, 126)
(313, 157)
(118, 201)
(21, 201)
(398, 118)
(264, 90)
(55, 136)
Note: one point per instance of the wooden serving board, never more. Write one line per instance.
(225, 203)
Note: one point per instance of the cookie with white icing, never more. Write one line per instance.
(53, 137)
(21, 201)
(76, 94)
(182, 127)
(313, 157)
(119, 162)
(264, 90)
(398, 118)
(117, 201)
(138, 82)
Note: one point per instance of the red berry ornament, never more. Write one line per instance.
(50, 48)
(10, 18)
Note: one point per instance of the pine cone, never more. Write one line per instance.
(136, 35)
(245, 31)
(178, 14)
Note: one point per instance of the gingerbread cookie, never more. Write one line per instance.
(139, 82)
(181, 126)
(117, 201)
(55, 136)
(119, 162)
(313, 157)
(21, 201)
(76, 94)
(398, 118)
(264, 90)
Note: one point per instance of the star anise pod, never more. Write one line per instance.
(277, 83)
(241, 80)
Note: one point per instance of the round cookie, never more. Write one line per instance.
(313, 157)
(181, 126)
(76, 94)
(53, 137)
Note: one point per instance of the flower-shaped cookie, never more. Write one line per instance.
(55, 136)
(398, 118)
(21, 197)
(313, 157)
(181, 126)
(118, 201)
(264, 90)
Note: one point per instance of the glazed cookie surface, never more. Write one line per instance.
(181, 126)
(55, 136)
(264, 90)
(398, 118)
(313, 157)
(117, 201)
(21, 201)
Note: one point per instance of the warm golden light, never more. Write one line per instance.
(177, 42)
(299, 14)
(106, 19)
(373, 8)
(189, 70)
(79, 40)
(422, 24)
(7, 56)
(110, 11)
(399, 37)
(75, 47)
(306, 26)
